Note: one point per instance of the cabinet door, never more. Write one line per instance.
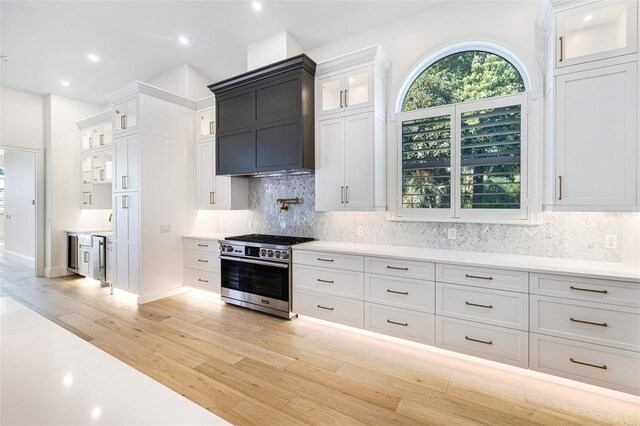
(125, 159)
(206, 123)
(596, 31)
(330, 95)
(87, 139)
(330, 164)
(358, 91)
(238, 150)
(84, 262)
(103, 135)
(87, 187)
(359, 151)
(206, 175)
(596, 137)
(125, 116)
(126, 238)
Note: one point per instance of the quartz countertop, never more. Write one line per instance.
(210, 236)
(575, 267)
(104, 232)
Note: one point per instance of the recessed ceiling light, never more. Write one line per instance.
(95, 413)
(6, 58)
(588, 18)
(65, 83)
(183, 40)
(68, 379)
(93, 58)
(256, 5)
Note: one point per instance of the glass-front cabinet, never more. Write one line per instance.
(102, 166)
(87, 187)
(346, 91)
(207, 123)
(596, 31)
(97, 160)
(125, 116)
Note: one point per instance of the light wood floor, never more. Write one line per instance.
(250, 368)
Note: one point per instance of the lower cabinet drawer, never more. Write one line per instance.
(206, 261)
(497, 279)
(202, 245)
(400, 268)
(599, 365)
(202, 279)
(349, 262)
(330, 308)
(485, 341)
(402, 323)
(406, 293)
(495, 307)
(608, 325)
(331, 281)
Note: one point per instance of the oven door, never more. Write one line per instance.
(266, 279)
(231, 277)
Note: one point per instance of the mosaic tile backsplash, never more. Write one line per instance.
(566, 235)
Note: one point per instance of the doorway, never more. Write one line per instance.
(18, 195)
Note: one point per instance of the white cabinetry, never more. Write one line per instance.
(153, 145)
(592, 75)
(596, 31)
(215, 192)
(201, 264)
(350, 132)
(97, 161)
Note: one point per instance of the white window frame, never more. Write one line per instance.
(456, 213)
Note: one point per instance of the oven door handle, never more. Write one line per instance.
(257, 262)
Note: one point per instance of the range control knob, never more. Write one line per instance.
(222, 246)
(285, 255)
(270, 253)
(263, 252)
(277, 255)
(229, 248)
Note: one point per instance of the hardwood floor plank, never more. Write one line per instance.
(365, 392)
(248, 350)
(318, 414)
(125, 346)
(155, 343)
(254, 412)
(247, 384)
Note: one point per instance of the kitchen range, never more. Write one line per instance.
(256, 272)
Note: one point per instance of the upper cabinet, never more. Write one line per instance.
(206, 123)
(596, 31)
(593, 108)
(265, 118)
(346, 91)
(125, 116)
(97, 163)
(350, 132)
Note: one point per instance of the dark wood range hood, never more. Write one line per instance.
(265, 120)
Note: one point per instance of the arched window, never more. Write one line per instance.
(462, 140)
(461, 77)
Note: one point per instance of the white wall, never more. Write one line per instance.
(21, 119)
(272, 49)
(185, 81)
(64, 182)
(20, 210)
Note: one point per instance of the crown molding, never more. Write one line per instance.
(94, 120)
(369, 55)
(209, 101)
(138, 87)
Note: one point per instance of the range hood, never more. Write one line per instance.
(265, 120)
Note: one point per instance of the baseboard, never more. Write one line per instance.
(161, 294)
(58, 271)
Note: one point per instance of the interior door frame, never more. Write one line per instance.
(40, 206)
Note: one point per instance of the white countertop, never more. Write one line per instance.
(583, 268)
(105, 232)
(50, 376)
(211, 236)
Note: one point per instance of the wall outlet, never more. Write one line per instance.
(360, 230)
(165, 229)
(451, 233)
(610, 241)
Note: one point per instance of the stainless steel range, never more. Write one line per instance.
(256, 272)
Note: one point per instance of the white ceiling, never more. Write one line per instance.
(137, 40)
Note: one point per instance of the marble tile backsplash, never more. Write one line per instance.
(566, 235)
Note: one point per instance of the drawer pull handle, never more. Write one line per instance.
(397, 292)
(602, 367)
(479, 305)
(325, 260)
(203, 245)
(404, 324)
(397, 268)
(325, 281)
(486, 342)
(324, 307)
(203, 260)
(266, 302)
(478, 277)
(589, 290)
(203, 281)
(600, 324)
